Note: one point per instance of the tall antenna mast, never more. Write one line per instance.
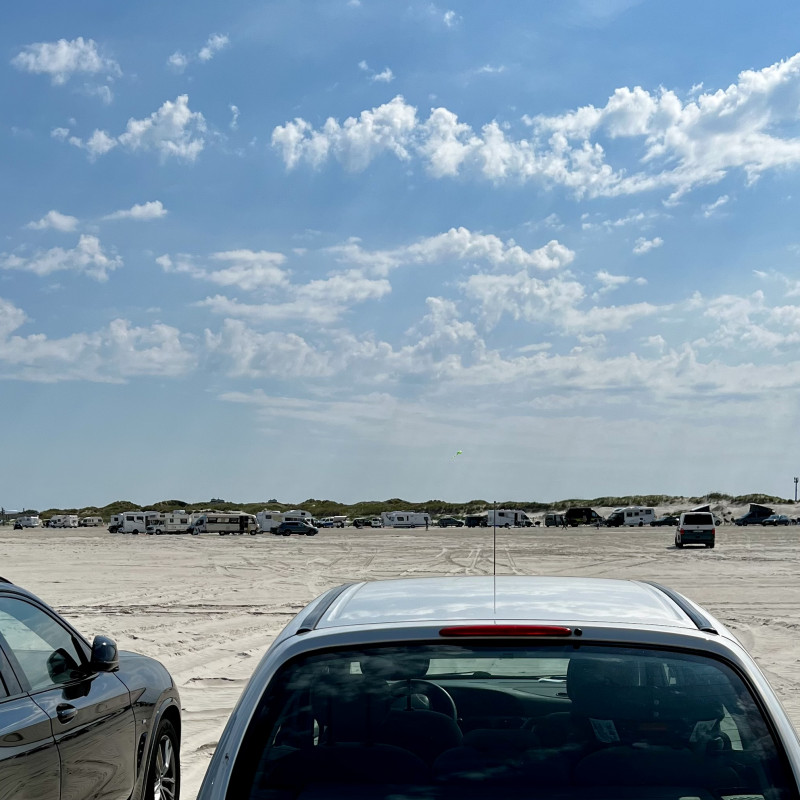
(494, 557)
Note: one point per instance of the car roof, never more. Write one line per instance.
(483, 598)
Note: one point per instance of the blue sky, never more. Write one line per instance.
(313, 249)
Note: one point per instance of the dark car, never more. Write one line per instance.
(80, 720)
(288, 528)
(451, 522)
(667, 519)
(777, 519)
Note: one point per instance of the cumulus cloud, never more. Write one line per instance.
(87, 258)
(144, 211)
(62, 59)
(643, 245)
(456, 244)
(173, 131)
(711, 208)
(660, 140)
(215, 43)
(55, 220)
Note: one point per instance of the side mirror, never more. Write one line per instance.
(105, 656)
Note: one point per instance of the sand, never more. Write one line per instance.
(209, 606)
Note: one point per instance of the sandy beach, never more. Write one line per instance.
(209, 606)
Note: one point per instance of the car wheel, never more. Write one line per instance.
(710, 544)
(135, 531)
(164, 775)
(678, 542)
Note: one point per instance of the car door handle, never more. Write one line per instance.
(65, 712)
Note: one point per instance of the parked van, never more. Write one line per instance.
(64, 521)
(476, 520)
(268, 521)
(90, 522)
(696, 527)
(582, 515)
(170, 522)
(30, 521)
(631, 516)
(136, 522)
(508, 518)
(225, 523)
(553, 520)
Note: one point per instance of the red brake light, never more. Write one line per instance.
(506, 630)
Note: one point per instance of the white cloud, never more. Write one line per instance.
(609, 282)
(144, 211)
(55, 220)
(711, 208)
(660, 141)
(450, 19)
(234, 123)
(386, 76)
(62, 59)
(87, 258)
(489, 69)
(643, 245)
(457, 244)
(215, 43)
(173, 131)
(114, 353)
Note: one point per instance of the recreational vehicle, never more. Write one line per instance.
(582, 515)
(170, 522)
(136, 522)
(114, 523)
(90, 522)
(64, 521)
(298, 515)
(405, 519)
(631, 516)
(268, 521)
(508, 518)
(27, 522)
(475, 520)
(225, 523)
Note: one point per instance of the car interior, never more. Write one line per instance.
(514, 721)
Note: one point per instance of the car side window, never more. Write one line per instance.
(44, 650)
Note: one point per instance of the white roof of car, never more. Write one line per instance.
(533, 599)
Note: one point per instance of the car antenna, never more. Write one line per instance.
(494, 558)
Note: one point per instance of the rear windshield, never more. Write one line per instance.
(515, 721)
(702, 518)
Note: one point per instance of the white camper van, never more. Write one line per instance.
(404, 519)
(298, 515)
(508, 518)
(136, 522)
(268, 521)
(30, 521)
(64, 521)
(224, 523)
(171, 522)
(637, 516)
(90, 522)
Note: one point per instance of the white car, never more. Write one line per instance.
(518, 687)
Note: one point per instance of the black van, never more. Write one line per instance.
(583, 515)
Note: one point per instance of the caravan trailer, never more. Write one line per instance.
(508, 518)
(405, 519)
(636, 516)
(171, 522)
(90, 522)
(224, 523)
(298, 515)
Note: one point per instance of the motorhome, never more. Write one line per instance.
(171, 522)
(405, 519)
(114, 523)
(29, 521)
(582, 515)
(268, 521)
(508, 518)
(298, 515)
(64, 521)
(90, 522)
(225, 523)
(631, 516)
(136, 522)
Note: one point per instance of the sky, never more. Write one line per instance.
(312, 250)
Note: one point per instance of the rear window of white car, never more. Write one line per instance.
(516, 721)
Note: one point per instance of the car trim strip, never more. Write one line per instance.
(326, 601)
(702, 622)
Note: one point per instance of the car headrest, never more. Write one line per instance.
(399, 667)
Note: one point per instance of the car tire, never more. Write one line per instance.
(678, 544)
(711, 545)
(164, 772)
(135, 531)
